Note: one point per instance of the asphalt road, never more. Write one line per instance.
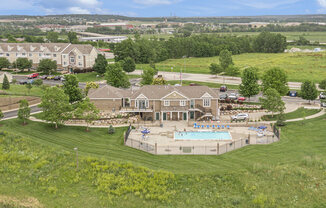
(13, 113)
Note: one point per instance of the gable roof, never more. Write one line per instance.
(108, 92)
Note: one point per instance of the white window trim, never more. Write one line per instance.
(166, 103)
(209, 102)
(183, 102)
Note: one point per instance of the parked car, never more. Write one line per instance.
(322, 95)
(293, 93)
(240, 116)
(223, 88)
(233, 96)
(241, 98)
(32, 76)
(44, 77)
(223, 96)
(323, 104)
(25, 81)
(57, 78)
(50, 77)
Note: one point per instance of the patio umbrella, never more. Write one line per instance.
(262, 127)
(146, 131)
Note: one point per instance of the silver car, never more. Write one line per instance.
(240, 116)
(233, 96)
(322, 95)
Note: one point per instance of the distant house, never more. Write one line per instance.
(157, 102)
(66, 55)
(2, 75)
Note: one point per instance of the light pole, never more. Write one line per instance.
(184, 62)
(76, 149)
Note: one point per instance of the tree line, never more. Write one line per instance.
(204, 45)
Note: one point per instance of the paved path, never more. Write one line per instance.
(208, 78)
(13, 113)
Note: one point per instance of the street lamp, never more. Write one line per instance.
(184, 62)
(76, 149)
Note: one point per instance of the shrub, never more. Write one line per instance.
(14, 81)
(229, 107)
(38, 82)
(111, 130)
(322, 84)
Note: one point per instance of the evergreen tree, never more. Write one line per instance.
(100, 64)
(71, 88)
(128, 65)
(5, 83)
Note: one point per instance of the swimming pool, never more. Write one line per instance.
(202, 135)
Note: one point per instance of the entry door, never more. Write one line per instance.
(164, 116)
(185, 116)
(142, 104)
(192, 115)
(157, 116)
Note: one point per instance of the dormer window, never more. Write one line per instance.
(206, 102)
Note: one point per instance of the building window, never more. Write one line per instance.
(54, 55)
(64, 56)
(79, 57)
(23, 54)
(64, 63)
(166, 103)
(30, 54)
(1, 54)
(207, 102)
(183, 103)
(39, 54)
(7, 54)
(192, 104)
(72, 59)
(79, 63)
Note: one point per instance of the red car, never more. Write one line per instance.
(241, 98)
(32, 76)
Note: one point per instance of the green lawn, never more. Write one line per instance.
(89, 77)
(299, 113)
(289, 173)
(208, 84)
(19, 90)
(298, 66)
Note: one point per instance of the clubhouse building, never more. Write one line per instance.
(66, 55)
(159, 102)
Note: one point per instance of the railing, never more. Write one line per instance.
(204, 110)
(150, 109)
(127, 134)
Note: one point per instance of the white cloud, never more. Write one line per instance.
(78, 10)
(267, 4)
(322, 3)
(155, 2)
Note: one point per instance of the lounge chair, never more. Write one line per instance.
(228, 127)
(218, 126)
(202, 126)
(222, 126)
(213, 126)
(207, 126)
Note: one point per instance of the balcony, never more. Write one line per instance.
(136, 110)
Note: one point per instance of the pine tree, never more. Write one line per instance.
(5, 84)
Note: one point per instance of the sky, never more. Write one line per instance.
(163, 8)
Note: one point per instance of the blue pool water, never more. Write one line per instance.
(202, 135)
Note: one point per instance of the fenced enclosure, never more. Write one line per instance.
(217, 148)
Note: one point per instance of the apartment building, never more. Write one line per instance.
(161, 103)
(66, 55)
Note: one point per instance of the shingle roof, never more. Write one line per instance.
(108, 92)
(152, 92)
(45, 47)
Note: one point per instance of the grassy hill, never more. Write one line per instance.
(298, 66)
(39, 162)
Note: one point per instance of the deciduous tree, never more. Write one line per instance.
(249, 85)
(4, 63)
(90, 85)
(272, 101)
(225, 59)
(47, 66)
(22, 63)
(24, 111)
(116, 77)
(87, 111)
(309, 91)
(129, 65)
(52, 36)
(55, 106)
(147, 76)
(159, 81)
(275, 78)
(215, 69)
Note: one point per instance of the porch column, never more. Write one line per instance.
(187, 116)
(162, 116)
(178, 115)
(170, 116)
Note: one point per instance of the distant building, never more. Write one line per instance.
(109, 39)
(113, 25)
(65, 54)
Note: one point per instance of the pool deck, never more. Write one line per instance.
(165, 135)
